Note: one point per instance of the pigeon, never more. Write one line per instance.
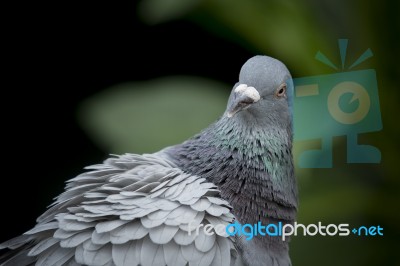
(168, 208)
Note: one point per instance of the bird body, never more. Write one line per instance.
(143, 209)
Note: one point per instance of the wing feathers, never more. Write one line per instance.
(131, 210)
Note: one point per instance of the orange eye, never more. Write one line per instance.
(281, 91)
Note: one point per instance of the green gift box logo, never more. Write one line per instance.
(340, 104)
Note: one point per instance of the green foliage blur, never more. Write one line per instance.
(292, 31)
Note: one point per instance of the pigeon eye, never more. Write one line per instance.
(280, 92)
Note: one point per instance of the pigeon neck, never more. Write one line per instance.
(251, 165)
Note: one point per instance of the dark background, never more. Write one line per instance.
(58, 54)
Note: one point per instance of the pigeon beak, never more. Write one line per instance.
(243, 97)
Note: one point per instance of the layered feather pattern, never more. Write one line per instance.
(132, 210)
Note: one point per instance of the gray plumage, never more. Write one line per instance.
(143, 209)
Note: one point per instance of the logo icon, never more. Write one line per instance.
(339, 104)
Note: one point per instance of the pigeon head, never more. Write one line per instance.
(264, 92)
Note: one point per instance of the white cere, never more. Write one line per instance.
(248, 91)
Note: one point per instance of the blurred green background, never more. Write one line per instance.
(140, 76)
